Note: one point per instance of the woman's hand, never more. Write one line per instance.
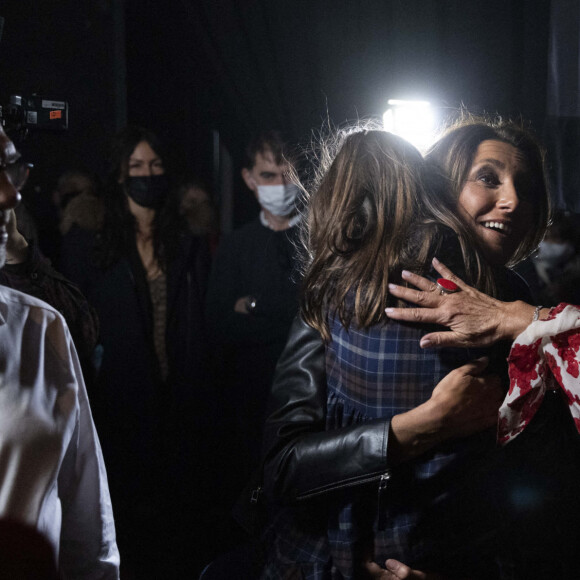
(396, 570)
(463, 402)
(474, 319)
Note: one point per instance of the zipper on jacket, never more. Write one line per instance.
(344, 485)
(255, 497)
(381, 503)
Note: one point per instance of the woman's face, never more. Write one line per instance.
(144, 161)
(494, 199)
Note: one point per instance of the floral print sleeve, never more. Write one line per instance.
(545, 356)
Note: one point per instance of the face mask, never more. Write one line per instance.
(278, 199)
(552, 254)
(149, 191)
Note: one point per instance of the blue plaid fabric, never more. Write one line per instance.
(372, 373)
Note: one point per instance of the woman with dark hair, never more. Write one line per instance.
(146, 276)
(456, 153)
(359, 442)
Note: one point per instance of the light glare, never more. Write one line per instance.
(412, 120)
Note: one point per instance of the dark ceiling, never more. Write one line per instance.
(237, 66)
(248, 64)
(194, 70)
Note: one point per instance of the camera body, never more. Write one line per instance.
(26, 114)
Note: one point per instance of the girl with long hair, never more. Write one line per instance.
(367, 431)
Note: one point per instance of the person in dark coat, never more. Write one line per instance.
(252, 300)
(146, 276)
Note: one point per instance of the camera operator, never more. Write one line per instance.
(52, 474)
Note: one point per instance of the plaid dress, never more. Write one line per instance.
(376, 373)
(380, 372)
(372, 373)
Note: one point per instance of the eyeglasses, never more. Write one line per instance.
(17, 173)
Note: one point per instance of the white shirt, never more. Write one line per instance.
(52, 473)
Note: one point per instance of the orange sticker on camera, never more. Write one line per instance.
(56, 114)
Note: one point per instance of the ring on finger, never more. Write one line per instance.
(447, 286)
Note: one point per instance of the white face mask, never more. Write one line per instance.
(278, 199)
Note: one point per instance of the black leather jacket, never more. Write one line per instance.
(301, 459)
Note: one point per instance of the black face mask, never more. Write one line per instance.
(150, 191)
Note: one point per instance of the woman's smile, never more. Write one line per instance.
(493, 200)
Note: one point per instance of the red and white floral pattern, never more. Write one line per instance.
(545, 356)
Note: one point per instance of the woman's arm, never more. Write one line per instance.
(474, 319)
(461, 404)
(301, 459)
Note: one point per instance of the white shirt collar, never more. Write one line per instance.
(292, 222)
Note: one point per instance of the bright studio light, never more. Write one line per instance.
(412, 120)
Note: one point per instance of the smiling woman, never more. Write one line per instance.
(490, 200)
(369, 448)
(496, 172)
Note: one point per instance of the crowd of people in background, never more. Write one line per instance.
(177, 363)
(179, 331)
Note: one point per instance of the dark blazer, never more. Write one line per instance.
(130, 392)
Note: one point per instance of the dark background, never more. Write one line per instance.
(205, 74)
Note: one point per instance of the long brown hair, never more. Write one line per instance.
(377, 208)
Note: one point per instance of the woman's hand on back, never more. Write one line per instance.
(474, 318)
(463, 402)
(396, 570)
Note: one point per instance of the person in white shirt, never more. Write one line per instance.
(52, 474)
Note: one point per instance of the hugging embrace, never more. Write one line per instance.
(380, 456)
